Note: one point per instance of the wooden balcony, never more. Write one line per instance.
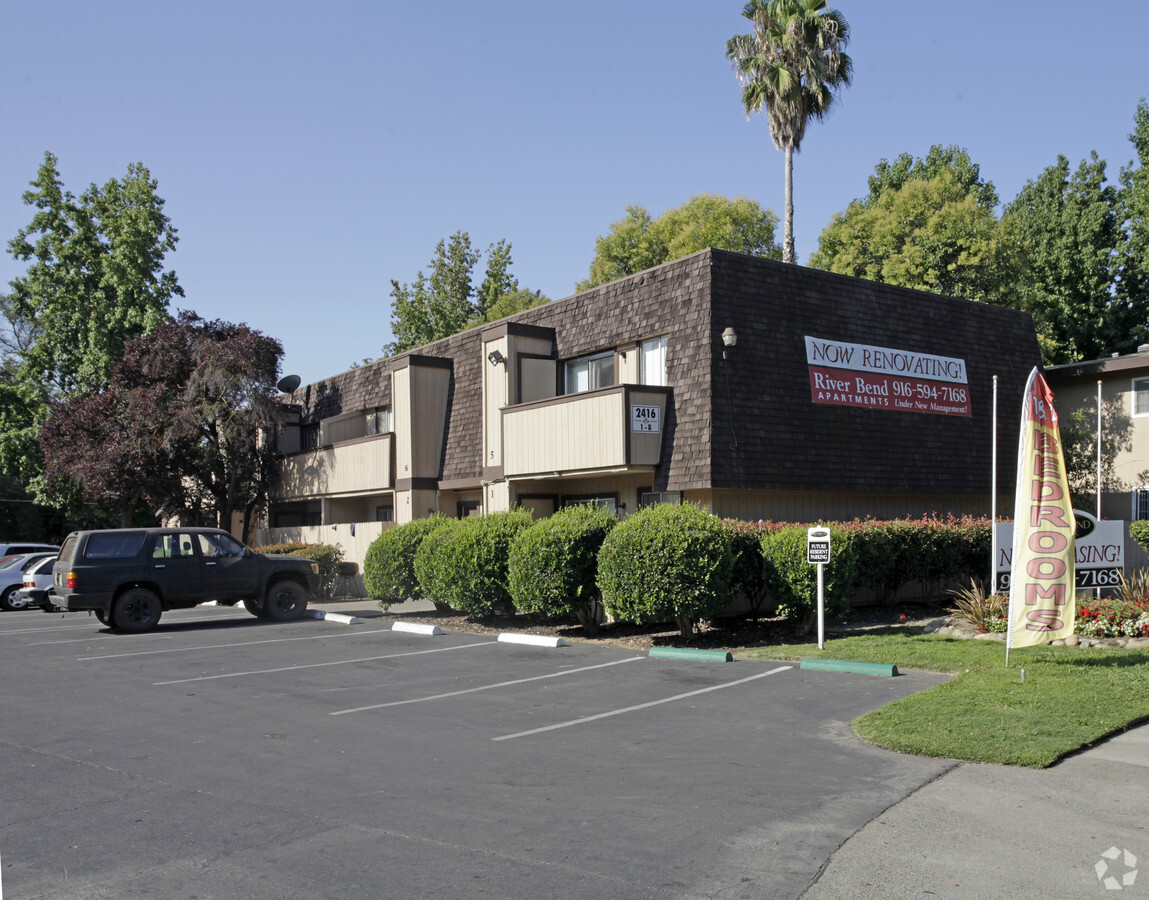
(614, 429)
(360, 466)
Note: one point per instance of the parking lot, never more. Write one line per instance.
(225, 756)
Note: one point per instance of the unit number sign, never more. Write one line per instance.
(644, 418)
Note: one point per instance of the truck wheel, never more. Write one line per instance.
(136, 610)
(10, 599)
(285, 601)
(255, 609)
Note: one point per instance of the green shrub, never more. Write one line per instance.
(930, 550)
(470, 571)
(431, 572)
(667, 562)
(749, 570)
(326, 556)
(1139, 531)
(553, 564)
(389, 567)
(794, 582)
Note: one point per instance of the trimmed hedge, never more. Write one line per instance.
(389, 566)
(326, 556)
(667, 562)
(431, 571)
(793, 582)
(553, 564)
(470, 567)
(749, 567)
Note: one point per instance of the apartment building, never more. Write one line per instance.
(757, 389)
(1121, 383)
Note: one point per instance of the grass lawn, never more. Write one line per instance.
(1070, 698)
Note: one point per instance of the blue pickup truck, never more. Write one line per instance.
(129, 576)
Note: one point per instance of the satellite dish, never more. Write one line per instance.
(288, 383)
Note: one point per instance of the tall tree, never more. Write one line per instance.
(498, 280)
(636, 241)
(95, 277)
(431, 308)
(792, 64)
(926, 224)
(434, 307)
(953, 161)
(181, 425)
(1133, 283)
(1063, 230)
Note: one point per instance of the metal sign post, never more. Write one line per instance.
(818, 554)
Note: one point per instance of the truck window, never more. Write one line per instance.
(114, 545)
(216, 545)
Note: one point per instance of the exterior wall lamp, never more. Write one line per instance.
(729, 340)
(495, 357)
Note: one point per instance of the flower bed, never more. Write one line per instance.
(1112, 617)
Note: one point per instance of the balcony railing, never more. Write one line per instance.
(362, 465)
(616, 428)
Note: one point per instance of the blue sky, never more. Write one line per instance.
(309, 153)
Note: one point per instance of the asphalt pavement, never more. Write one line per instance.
(1078, 829)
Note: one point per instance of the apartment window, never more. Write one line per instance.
(653, 498)
(606, 501)
(384, 513)
(309, 437)
(379, 421)
(652, 355)
(589, 373)
(1141, 396)
(1140, 503)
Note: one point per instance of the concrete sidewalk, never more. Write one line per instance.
(990, 831)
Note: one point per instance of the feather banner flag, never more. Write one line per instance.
(1041, 595)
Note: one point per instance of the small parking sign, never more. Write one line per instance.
(817, 545)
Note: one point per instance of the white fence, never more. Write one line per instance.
(354, 546)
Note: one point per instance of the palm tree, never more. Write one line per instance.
(792, 64)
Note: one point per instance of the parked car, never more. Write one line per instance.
(37, 584)
(12, 569)
(14, 549)
(129, 576)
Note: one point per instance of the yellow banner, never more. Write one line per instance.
(1041, 595)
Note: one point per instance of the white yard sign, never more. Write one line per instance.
(1099, 551)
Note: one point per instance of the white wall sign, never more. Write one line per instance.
(645, 419)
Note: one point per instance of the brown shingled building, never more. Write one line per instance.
(757, 389)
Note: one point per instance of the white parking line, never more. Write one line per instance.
(330, 635)
(619, 712)
(88, 625)
(338, 662)
(487, 687)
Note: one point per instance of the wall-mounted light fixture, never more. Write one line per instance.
(495, 357)
(729, 340)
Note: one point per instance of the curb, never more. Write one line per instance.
(535, 640)
(687, 653)
(326, 616)
(842, 665)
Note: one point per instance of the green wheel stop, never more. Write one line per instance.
(687, 653)
(845, 665)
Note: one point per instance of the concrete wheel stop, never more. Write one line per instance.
(845, 665)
